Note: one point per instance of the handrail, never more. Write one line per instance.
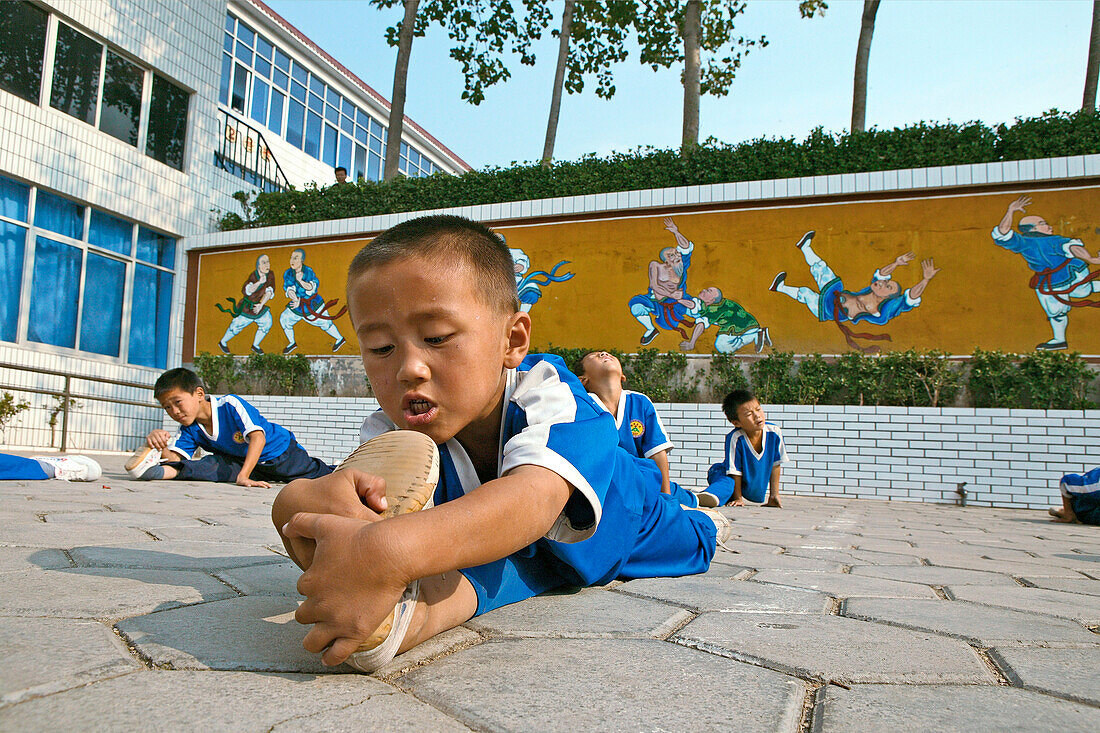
(245, 153)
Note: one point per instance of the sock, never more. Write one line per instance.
(152, 473)
(47, 467)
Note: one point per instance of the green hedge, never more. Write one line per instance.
(821, 153)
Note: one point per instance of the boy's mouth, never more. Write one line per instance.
(419, 412)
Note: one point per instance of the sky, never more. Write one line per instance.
(931, 60)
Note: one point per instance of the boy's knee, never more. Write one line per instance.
(292, 498)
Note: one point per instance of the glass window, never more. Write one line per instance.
(361, 118)
(347, 107)
(282, 61)
(263, 68)
(360, 162)
(159, 249)
(13, 199)
(76, 74)
(294, 123)
(227, 43)
(230, 23)
(316, 85)
(376, 145)
(227, 73)
(280, 79)
(332, 114)
(316, 104)
(12, 242)
(240, 88)
(374, 166)
(149, 336)
(332, 97)
(121, 110)
(347, 125)
(55, 285)
(22, 47)
(263, 47)
(244, 33)
(330, 145)
(344, 158)
(313, 135)
(376, 128)
(59, 215)
(110, 232)
(101, 305)
(244, 53)
(275, 115)
(361, 134)
(298, 91)
(259, 101)
(167, 122)
(300, 74)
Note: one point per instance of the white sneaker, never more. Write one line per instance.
(72, 468)
(721, 525)
(706, 499)
(369, 659)
(143, 459)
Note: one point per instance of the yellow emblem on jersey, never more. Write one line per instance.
(636, 428)
(238, 437)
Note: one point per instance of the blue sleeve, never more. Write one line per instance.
(184, 443)
(654, 440)
(311, 277)
(732, 469)
(244, 416)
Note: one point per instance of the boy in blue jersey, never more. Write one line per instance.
(533, 491)
(754, 452)
(640, 430)
(245, 448)
(1080, 498)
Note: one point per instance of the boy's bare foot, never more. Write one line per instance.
(1060, 516)
(773, 501)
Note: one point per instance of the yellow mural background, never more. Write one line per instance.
(980, 299)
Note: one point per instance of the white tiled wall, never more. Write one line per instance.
(1008, 458)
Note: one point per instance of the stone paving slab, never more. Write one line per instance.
(776, 561)
(68, 535)
(174, 555)
(273, 579)
(984, 625)
(121, 519)
(607, 685)
(1077, 606)
(930, 575)
(853, 557)
(220, 533)
(702, 594)
(44, 656)
(15, 559)
(1070, 585)
(919, 708)
(835, 648)
(844, 585)
(1069, 673)
(589, 613)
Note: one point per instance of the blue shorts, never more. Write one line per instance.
(293, 463)
(16, 468)
(1083, 492)
(723, 486)
(642, 534)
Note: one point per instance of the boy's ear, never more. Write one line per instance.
(583, 378)
(200, 392)
(519, 339)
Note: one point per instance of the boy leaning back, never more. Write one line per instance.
(245, 448)
(533, 492)
(754, 452)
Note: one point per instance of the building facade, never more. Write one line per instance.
(129, 125)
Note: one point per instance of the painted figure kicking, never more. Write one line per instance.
(878, 303)
(1062, 278)
(667, 300)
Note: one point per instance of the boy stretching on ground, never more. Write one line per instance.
(533, 491)
(754, 451)
(639, 426)
(240, 441)
(1080, 498)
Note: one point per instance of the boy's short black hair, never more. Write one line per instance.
(439, 236)
(178, 378)
(733, 401)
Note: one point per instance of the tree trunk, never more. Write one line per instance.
(863, 53)
(559, 82)
(1089, 100)
(397, 102)
(692, 68)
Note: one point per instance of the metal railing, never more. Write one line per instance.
(244, 153)
(102, 428)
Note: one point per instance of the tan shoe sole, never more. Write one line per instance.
(409, 464)
(137, 457)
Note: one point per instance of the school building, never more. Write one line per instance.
(128, 125)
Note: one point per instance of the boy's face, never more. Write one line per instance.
(434, 351)
(600, 364)
(183, 407)
(750, 417)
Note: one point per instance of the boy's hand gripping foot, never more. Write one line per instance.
(409, 463)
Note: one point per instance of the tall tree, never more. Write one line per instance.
(559, 81)
(1093, 67)
(863, 54)
(402, 37)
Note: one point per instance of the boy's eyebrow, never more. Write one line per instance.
(426, 314)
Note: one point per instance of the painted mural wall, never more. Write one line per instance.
(1012, 271)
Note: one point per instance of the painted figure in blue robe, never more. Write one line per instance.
(529, 285)
(878, 303)
(304, 303)
(666, 304)
(1062, 280)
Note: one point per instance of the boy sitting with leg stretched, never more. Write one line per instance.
(754, 451)
(533, 491)
(241, 442)
(1080, 498)
(641, 433)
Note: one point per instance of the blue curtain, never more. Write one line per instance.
(111, 233)
(101, 306)
(150, 311)
(12, 243)
(59, 215)
(13, 199)
(156, 248)
(55, 286)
